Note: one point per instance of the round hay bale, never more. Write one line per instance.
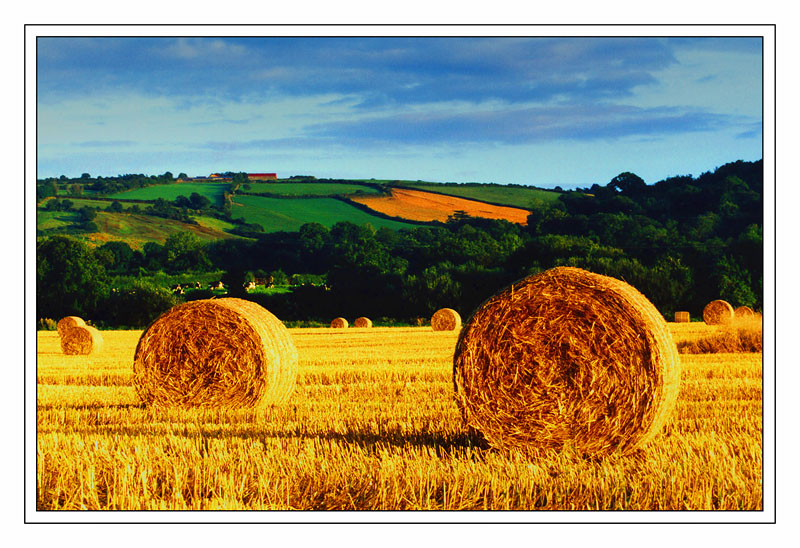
(682, 317)
(214, 353)
(362, 322)
(81, 340)
(339, 323)
(718, 312)
(67, 322)
(446, 319)
(744, 312)
(566, 358)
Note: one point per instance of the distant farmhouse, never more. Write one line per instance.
(262, 176)
(217, 178)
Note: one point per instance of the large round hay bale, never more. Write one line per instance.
(744, 313)
(81, 340)
(682, 317)
(718, 312)
(566, 358)
(339, 323)
(67, 322)
(362, 322)
(446, 319)
(215, 352)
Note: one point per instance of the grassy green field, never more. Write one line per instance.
(310, 189)
(136, 230)
(275, 290)
(212, 191)
(54, 220)
(276, 214)
(496, 194)
(100, 204)
(271, 212)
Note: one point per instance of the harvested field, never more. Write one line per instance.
(373, 425)
(419, 205)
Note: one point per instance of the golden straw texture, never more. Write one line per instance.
(744, 312)
(215, 352)
(718, 312)
(339, 323)
(362, 322)
(446, 319)
(67, 322)
(566, 358)
(682, 317)
(81, 340)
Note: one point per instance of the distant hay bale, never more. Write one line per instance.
(566, 358)
(718, 312)
(682, 317)
(67, 322)
(81, 340)
(362, 322)
(446, 319)
(339, 323)
(744, 312)
(213, 353)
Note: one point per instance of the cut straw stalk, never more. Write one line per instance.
(215, 352)
(566, 358)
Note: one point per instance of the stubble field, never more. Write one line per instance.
(429, 206)
(372, 425)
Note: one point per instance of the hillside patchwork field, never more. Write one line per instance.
(428, 206)
(136, 230)
(515, 196)
(373, 425)
(296, 189)
(290, 214)
(287, 205)
(212, 191)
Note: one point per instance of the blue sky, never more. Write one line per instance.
(540, 111)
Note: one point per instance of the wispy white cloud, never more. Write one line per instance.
(343, 99)
(205, 49)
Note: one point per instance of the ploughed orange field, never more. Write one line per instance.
(418, 205)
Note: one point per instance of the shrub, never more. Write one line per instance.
(137, 305)
(46, 324)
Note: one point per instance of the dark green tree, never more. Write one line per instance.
(122, 256)
(69, 279)
(137, 305)
(185, 252)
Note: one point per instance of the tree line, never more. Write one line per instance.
(683, 242)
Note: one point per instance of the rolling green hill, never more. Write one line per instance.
(212, 191)
(100, 204)
(297, 189)
(284, 205)
(136, 230)
(276, 214)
